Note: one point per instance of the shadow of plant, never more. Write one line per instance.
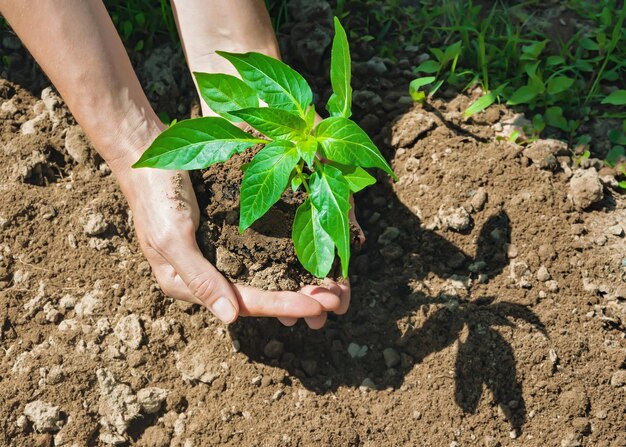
(323, 360)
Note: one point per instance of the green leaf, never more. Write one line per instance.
(330, 195)
(340, 102)
(196, 144)
(554, 60)
(554, 117)
(533, 50)
(345, 142)
(314, 247)
(265, 180)
(616, 154)
(310, 119)
(622, 184)
(415, 87)
(617, 137)
(307, 149)
(357, 178)
(429, 67)
(616, 98)
(274, 123)
(559, 84)
(484, 101)
(589, 44)
(277, 84)
(296, 181)
(522, 95)
(224, 93)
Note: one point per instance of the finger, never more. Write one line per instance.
(288, 321)
(330, 301)
(262, 303)
(316, 322)
(205, 283)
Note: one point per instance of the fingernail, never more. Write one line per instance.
(224, 310)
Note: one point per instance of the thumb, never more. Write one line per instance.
(206, 284)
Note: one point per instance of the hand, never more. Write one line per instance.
(166, 216)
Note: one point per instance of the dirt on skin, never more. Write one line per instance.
(489, 301)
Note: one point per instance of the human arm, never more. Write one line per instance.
(77, 46)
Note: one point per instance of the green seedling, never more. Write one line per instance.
(294, 147)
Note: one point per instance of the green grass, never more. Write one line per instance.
(563, 76)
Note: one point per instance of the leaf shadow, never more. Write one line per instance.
(385, 300)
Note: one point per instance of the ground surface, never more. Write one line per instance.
(488, 307)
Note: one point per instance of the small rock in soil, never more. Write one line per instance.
(278, 394)
(362, 264)
(457, 219)
(552, 286)
(392, 358)
(274, 349)
(410, 127)
(45, 417)
(195, 365)
(366, 100)
(585, 188)
(518, 123)
(370, 123)
(392, 252)
(129, 331)
(389, 235)
(479, 199)
(227, 262)
(618, 379)
(367, 385)
(357, 351)
(616, 230)
(151, 399)
(118, 407)
(95, 225)
(90, 304)
(540, 157)
(542, 274)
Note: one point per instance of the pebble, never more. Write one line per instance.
(392, 358)
(511, 251)
(542, 274)
(45, 417)
(552, 286)
(389, 235)
(274, 349)
(585, 188)
(356, 351)
(151, 399)
(479, 199)
(477, 266)
(95, 225)
(392, 252)
(616, 230)
(129, 331)
(277, 395)
(457, 219)
(256, 381)
(618, 379)
(367, 385)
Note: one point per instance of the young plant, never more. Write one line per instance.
(326, 159)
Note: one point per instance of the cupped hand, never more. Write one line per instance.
(166, 217)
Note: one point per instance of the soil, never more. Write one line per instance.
(488, 304)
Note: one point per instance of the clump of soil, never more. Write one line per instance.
(263, 255)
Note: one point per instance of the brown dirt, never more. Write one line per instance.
(499, 324)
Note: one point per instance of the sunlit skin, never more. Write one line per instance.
(79, 49)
